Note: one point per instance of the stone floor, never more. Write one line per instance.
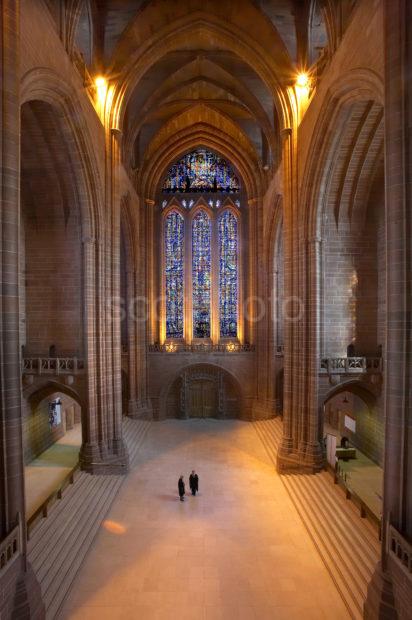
(45, 474)
(238, 550)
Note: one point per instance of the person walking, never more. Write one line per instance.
(181, 487)
(194, 482)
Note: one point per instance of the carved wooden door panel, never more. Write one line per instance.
(202, 398)
(209, 399)
(196, 399)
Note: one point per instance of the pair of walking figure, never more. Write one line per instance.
(193, 483)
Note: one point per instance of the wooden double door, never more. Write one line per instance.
(202, 398)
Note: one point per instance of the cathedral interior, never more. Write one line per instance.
(206, 264)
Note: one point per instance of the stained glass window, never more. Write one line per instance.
(201, 268)
(228, 274)
(174, 257)
(201, 171)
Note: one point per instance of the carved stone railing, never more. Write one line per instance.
(400, 550)
(351, 365)
(52, 366)
(10, 548)
(172, 347)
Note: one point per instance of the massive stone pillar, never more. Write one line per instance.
(264, 403)
(131, 335)
(19, 591)
(300, 448)
(144, 407)
(285, 457)
(103, 449)
(309, 447)
(390, 592)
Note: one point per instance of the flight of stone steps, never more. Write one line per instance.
(348, 545)
(59, 543)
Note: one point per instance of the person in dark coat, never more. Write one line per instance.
(181, 487)
(194, 482)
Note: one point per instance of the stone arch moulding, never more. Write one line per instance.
(198, 25)
(129, 226)
(156, 99)
(39, 392)
(356, 387)
(357, 85)
(193, 137)
(46, 86)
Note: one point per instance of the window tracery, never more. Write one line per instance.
(228, 274)
(201, 171)
(201, 274)
(174, 274)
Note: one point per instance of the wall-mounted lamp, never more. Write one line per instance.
(100, 83)
(170, 347)
(302, 80)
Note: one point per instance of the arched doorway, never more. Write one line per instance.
(351, 410)
(204, 391)
(52, 438)
(51, 296)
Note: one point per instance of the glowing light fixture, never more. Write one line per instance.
(170, 347)
(231, 347)
(100, 83)
(302, 80)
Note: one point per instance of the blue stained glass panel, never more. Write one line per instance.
(201, 270)
(201, 170)
(228, 274)
(174, 267)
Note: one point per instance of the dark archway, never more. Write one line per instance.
(352, 410)
(51, 294)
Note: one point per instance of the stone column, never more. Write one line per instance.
(144, 407)
(92, 431)
(310, 450)
(263, 406)
(115, 432)
(103, 450)
(19, 590)
(285, 454)
(130, 309)
(390, 592)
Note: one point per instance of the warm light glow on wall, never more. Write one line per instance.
(101, 88)
(103, 97)
(302, 86)
(302, 90)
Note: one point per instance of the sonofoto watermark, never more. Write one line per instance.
(253, 309)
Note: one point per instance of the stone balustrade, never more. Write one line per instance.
(173, 347)
(52, 366)
(10, 548)
(400, 550)
(351, 365)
